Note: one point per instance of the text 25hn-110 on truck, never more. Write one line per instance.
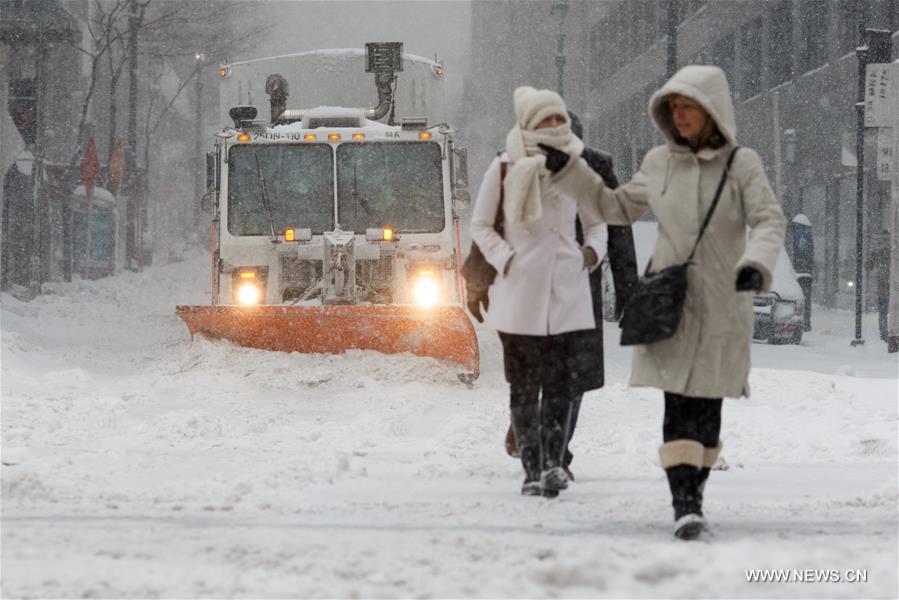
(332, 230)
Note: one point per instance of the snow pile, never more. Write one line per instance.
(137, 462)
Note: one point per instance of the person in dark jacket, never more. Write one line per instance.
(879, 258)
(623, 264)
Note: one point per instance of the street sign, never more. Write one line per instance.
(895, 113)
(116, 165)
(878, 100)
(885, 160)
(90, 166)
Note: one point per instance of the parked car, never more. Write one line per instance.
(777, 313)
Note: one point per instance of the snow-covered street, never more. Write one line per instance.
(139, 463)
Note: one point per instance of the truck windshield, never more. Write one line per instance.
(397, 184)
(298, 181)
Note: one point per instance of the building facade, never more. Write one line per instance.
(39, 87)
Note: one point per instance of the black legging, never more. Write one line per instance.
(692, 418)
(542, 388)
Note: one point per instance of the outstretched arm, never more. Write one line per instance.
(575, 178)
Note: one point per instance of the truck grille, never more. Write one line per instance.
(374, 272)
(298, 275)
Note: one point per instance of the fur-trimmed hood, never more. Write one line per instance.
(705, 84)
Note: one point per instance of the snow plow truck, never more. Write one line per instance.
(335, 226)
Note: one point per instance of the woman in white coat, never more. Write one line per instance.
(707, 358)
(540, 302)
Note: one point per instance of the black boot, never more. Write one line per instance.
(703, 477)
(554, 436)
(525, 426)
(686, 482)
(709, 458)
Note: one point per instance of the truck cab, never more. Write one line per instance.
(336, 226)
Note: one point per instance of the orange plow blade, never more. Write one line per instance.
(444, 333)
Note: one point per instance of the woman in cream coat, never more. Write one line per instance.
(708, 356)
(540, 302)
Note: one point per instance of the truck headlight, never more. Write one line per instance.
(248, 293)
(248, 285)
(425, 289)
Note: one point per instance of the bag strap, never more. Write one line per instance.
(498, 224)
(708, 215)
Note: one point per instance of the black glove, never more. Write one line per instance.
(590, 258)
(555, 159)
(475, 297)
(749, 279)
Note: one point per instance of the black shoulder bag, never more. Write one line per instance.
(477, 272)
(656, 306)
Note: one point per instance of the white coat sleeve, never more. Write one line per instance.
(763, 214)
(596, 234)
(496, 250)
(621, 206)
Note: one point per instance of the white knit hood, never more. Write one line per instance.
(705, 84)
(528, 180)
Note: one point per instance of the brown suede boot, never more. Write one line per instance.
(511, 444)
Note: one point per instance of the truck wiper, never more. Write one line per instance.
(265, 202)
(359, 199)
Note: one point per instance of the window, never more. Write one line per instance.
(722, 54)
(398, 184)
(780, 40)
(751, 53)
(600, 60)
(847, 18)
(294, 182)
(814, 34)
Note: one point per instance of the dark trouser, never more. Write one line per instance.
(572, 423)
(805, 282)
(883, 309)
(542, 391)
(688, 418)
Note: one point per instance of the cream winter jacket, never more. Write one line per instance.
(547, 288)
(708, 356)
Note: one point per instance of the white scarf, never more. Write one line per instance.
(529, 179)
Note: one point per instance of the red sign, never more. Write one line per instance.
(116, 165)
(90, 166)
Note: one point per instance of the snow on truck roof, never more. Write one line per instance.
(346, 52)
(373, 127)
(334, 77)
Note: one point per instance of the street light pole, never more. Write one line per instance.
(862, 53)
(877, 48)
(561, 9)
(131, 208)
(38, 241)
(199, 174)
